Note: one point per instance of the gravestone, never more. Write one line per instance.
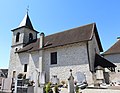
(54, 80)
(30, 89)
(41, 81)
(71, 83)
(42, 78)
(80, 78)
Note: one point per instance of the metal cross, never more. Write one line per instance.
(27, 8)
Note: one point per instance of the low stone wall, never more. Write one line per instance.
(100, 91)
(65, 90)
(4, 92)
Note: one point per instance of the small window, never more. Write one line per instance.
(54, 58)
(17, 37)
(25, 67)
(30, 37)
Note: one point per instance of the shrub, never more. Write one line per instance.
(63, 82)
(77, 89)
(56, 89)
(47, 88)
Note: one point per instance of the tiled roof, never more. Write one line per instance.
(114, 49)
(75, 35)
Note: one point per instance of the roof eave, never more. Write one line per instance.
(23, 27)
(49, 47)
(110, 53)
(98, 38)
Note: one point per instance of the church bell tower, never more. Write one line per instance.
(24, 33)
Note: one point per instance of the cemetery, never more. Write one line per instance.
(64, 62)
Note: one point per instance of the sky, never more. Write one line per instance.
(52, 16)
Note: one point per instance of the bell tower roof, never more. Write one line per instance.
(26, 22)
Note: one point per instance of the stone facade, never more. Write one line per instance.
(69, 57)
(115, 58)
(93, 49)
(78, 56)
(74, 56)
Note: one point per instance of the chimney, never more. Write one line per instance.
(42, 35)
(118, 38)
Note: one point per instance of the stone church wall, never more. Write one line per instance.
(114, 58)
(93, 49)
(72, 56)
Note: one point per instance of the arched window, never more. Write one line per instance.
(30, 37)
(17, 37)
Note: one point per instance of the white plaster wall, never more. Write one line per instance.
(72, 56)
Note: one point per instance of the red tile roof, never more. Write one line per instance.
(75, 35)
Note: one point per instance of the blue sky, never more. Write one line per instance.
(51, 16)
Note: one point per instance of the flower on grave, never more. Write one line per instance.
(75, 82)
(20, 75)
(63, 82)
(30, 83)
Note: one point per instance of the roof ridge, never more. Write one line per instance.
(70, 36)
(71, 29)
(105, 53)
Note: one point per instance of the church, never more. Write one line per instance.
(38, 58)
